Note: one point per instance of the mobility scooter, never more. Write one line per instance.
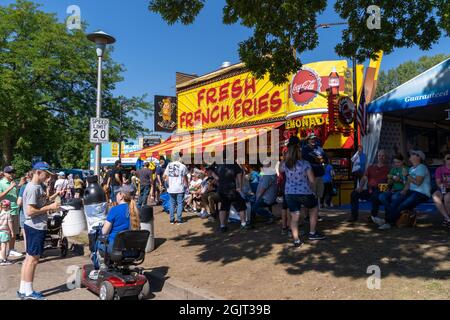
(118, 279)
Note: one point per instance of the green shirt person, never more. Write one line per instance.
(397, 177)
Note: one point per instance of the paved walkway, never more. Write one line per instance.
(52, 275)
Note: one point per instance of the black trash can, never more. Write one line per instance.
(94, 192)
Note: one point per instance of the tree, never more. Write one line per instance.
(279, 26)
(48, 85)
(393, 78)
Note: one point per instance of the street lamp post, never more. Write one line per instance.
(120, 133)
(101, 39)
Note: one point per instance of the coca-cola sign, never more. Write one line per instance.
(305, 86)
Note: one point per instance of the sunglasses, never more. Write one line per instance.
(448, 158)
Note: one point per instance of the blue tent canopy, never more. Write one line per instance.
(429, 88)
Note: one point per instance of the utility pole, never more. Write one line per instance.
(120, 132)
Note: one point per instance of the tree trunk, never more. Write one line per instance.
(6, 150)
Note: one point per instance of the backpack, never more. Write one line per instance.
(407, 219)
(165, 199)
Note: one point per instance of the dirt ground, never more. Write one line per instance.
(262, 264)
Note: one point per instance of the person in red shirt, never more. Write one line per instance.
(373, 176)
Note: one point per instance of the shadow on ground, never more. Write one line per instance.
(157, 277)
(347, 252)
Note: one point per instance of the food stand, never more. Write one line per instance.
(320, 103)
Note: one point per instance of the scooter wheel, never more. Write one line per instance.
(107, 291)
(145, 292)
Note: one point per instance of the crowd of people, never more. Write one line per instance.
(301, 181)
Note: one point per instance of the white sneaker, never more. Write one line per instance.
(5, 263)
(14, 253)
(378, 221)
(93, 275)
(385, 226)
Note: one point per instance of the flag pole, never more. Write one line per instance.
(355, 126)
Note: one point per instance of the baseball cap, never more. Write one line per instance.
(9, 169)
(266, 162)
(62, 173)
(6, 202)
(311, 136)
(418, 153)
(43, 166)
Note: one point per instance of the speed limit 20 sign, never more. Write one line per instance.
(99, 130)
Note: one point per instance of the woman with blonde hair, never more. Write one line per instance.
(124, 216)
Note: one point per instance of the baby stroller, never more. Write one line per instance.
(54, 238)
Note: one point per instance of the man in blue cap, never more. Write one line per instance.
(35, 226)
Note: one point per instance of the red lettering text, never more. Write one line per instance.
(189, 122)
(237, 107)
(275, 102)
(215, 110)
(210, 96)
(223, 92)
(247, 108)
(250, 86)
(236, 89)
(225, 113)
(200, 96)
(263, 104)
(182, 119)
(197, 116)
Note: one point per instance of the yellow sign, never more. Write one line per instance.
(308, 88)
(114, 149)
(307, 122)
(231, 102)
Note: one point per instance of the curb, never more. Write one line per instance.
(179, 290)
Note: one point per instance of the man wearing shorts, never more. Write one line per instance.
(229, 177)
(9, 191)
(35, 226)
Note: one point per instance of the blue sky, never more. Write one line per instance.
(152, 51)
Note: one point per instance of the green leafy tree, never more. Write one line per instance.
(279, 26)
(48, 80)
(393, 78)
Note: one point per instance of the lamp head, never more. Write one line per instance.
(101, 39)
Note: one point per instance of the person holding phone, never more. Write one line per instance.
(35, 210)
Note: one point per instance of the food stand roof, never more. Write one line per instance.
(209, 140)
(431, 87)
